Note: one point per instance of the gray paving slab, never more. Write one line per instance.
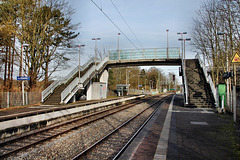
(202, 134)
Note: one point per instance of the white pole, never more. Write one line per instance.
(234, 104)
(8, 100)
(167, 45)
(118, 47)
(79, 67)
(22, 81)
(23, 101)
(26, 98)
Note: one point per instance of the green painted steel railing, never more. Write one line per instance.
(151, 53)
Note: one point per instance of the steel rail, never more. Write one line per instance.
(138, 131)
(84, 152)
(43, 111)
(46, 129)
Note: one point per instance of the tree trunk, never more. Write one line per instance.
(46, 76)
(5, 71)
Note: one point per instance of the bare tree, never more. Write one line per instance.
(46, 26)
(217, 16)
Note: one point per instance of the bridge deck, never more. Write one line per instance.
(144, 62)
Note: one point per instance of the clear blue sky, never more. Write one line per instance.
(148, 19)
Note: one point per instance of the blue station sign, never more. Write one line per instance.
(23, 78)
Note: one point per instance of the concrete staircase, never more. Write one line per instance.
(199, 90)
(55, 98)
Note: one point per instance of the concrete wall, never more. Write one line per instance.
(104, 76)
(99, 90)
(89, 90)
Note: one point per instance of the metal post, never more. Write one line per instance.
(234, 104)
(184, 63)
(167, 45)
(138, 82)
(235, 75)
(126, 75)
(8, 100)
(22, 75)
(26, 98)
(222, 103)
(95, 39)
(22, 62)
(79, 68)
(23, 101)
(145, 86)
(118, 46)
(228, 96)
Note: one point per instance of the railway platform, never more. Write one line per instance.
(186, 133)
(19, 120)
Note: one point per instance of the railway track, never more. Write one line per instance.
(18, 143)
(113, 144)
(36, 111)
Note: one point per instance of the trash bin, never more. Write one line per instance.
(221, 90)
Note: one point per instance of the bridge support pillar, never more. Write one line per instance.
(96, 90)
(89, 90)
(104, 76)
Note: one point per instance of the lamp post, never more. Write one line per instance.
(23, 45)
(227, 64)
(118, 46)
(138, 81)
(179, 33)
(79, 67)
(167, 44)
(184, 65)
(96, 39)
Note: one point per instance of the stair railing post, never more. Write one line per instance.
(184, 74)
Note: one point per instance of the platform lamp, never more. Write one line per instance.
(227, 64)
(79, 67)
(23, 45)
(182, 33)
(118, 47)
(184, 63)
(96, 39)
(184, 40)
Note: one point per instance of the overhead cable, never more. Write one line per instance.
(126, 23)
(115, 25)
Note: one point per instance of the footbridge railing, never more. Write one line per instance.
(73, 87)
(208, 77)
(49, 90)
(150, 53)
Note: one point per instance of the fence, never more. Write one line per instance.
(11, 99)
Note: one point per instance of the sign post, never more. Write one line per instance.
(23, 78)
(235, 59)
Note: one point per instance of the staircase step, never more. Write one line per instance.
(199, 95)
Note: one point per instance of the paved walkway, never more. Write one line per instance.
(202, 134)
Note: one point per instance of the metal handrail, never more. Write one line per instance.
(75, 70)
(49, 90)
(208, 77)
(70, 90)
(101, 64)
(147, 53)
